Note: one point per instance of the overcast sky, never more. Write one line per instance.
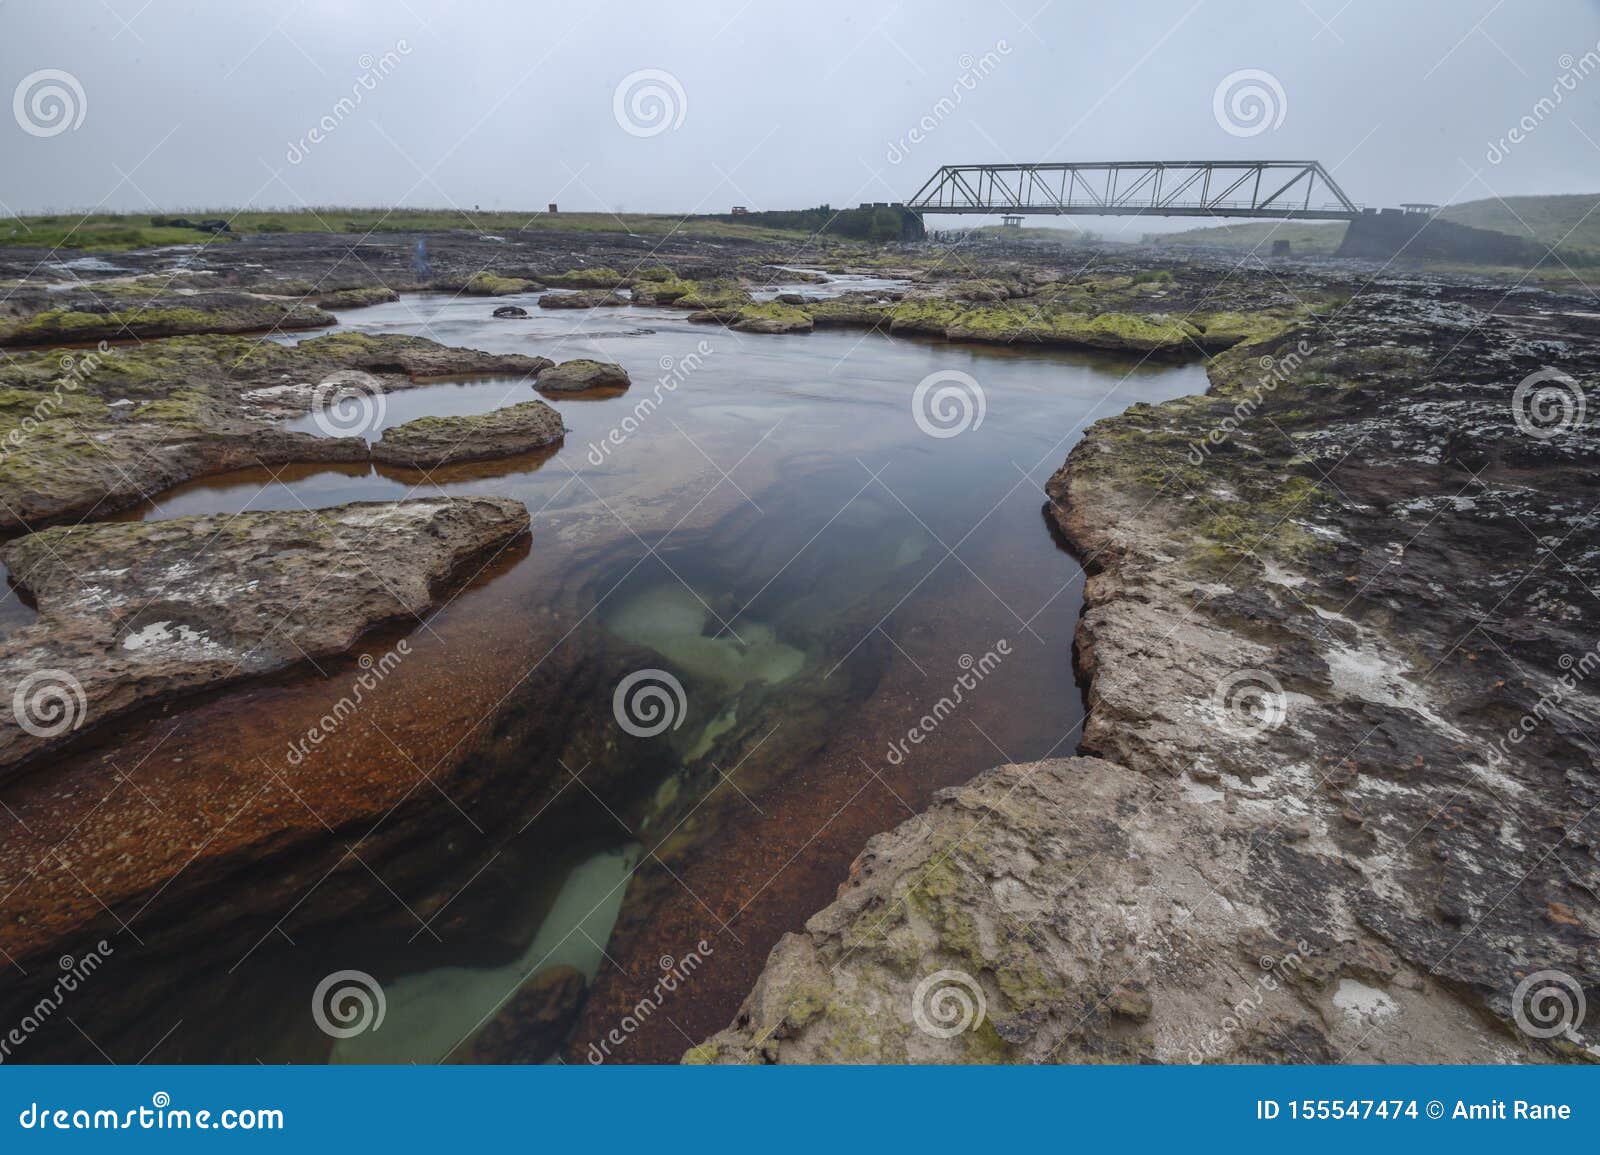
(511, 105)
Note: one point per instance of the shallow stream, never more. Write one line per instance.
(815, 553)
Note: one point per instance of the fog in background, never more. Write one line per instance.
(512, 105)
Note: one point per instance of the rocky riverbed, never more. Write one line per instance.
(1339, 645)
(1337, 776)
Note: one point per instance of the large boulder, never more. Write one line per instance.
(430, 441)
(581, 375)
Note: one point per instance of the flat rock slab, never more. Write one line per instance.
(1076, 911)
(583, 299)
(132, 613)
(430, 441)
(582, 374)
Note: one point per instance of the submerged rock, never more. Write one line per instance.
(430, 441)
(510, 311)
(535, 1021)
(137, 612)
(582, 374)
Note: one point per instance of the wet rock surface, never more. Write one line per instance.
(132, 613)
(431, 441)
(1378, 861)
(90, 432)
(582, 299)
(1077, 911)
(1341, 667)
(126, 312)
(581, 374)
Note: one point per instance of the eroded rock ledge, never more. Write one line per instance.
(1308, 639)
(136, 612)
(90, 432)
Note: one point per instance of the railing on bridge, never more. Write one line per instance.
(1282, 189)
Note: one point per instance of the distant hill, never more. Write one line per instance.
(1570, 223)
(1305, 237)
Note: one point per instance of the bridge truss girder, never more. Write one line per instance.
(1277, 189)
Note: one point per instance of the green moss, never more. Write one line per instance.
(184, 408)
(357, 298)
(717, 294)
(64, 326)
(600, 277)
(487, 284)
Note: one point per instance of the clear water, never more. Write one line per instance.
(777, 531)
(446, 399)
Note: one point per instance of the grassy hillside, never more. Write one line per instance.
(1305, 236)
(104, 231)
(1571, 223)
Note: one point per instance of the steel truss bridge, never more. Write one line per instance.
(1280, 189)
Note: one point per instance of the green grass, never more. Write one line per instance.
(1303, 238)
(1560, 221)
(114, 231)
